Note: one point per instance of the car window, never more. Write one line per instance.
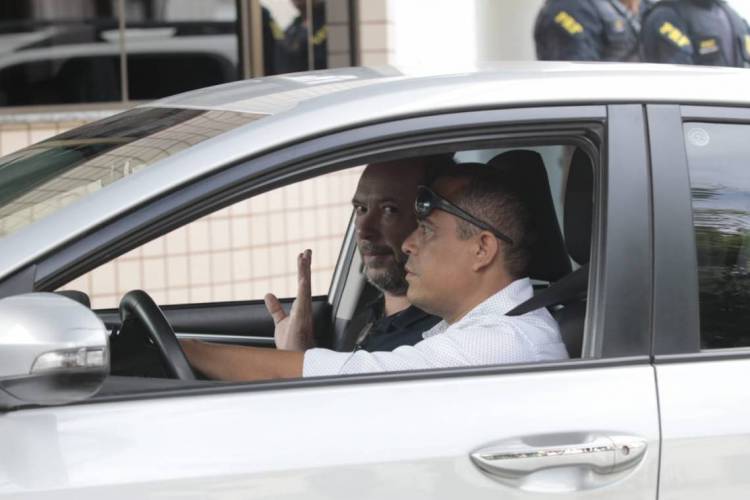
(240, 252)
(244, 251)
(720, 185)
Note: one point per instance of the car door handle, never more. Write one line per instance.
(602, 454)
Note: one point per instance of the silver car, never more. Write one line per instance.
(644, 259)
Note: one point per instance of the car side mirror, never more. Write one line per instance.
(53, 351)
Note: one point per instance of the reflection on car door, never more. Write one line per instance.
(392, 439)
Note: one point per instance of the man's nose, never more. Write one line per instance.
(409, 246)
(366, 225)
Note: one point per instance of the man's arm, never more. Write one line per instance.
(240, 363)
(569, 30)
(664, 37)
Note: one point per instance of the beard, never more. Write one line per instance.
(390, 276)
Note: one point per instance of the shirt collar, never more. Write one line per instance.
(501, 302)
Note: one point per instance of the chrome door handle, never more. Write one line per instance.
(602, 454)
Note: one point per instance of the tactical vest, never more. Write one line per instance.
(703, 34)
(621, 31)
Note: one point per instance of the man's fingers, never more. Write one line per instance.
(274, 308)
(304, 262)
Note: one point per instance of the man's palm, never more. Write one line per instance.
(294, 332)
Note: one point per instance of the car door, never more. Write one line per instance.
(702, 306)
(583, 428)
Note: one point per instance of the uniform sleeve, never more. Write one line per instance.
(568, 30)
(664, 37)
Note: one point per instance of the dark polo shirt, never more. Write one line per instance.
(385, 333)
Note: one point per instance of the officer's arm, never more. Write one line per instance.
(569, 30)
(664, 37)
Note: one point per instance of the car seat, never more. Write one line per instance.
(524, 170)
(566, 298)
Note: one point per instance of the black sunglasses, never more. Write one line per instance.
(428, 200)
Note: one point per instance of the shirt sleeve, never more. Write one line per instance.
(436, 352)
(478, 343)
(664, 37)
(569, 30)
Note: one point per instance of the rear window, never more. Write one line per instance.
(47, 176)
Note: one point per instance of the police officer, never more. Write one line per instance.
(705, 32)
(293, 48)
(589, 30)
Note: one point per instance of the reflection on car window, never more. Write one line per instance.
(49, 175)
(72, 51)
(720, 183)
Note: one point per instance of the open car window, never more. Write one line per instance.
(239, 253)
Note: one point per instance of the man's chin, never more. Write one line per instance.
(380, 261)
(387, 282)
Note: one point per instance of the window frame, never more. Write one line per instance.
(677, 339)
(614, 237)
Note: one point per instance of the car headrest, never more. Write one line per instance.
(579, 206)
(549, 260)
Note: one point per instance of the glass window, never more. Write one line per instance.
(299, 35)
(58, 52)
(55, 52)
(718, 156)
(174, 46)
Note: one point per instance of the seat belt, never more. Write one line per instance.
(571, 287)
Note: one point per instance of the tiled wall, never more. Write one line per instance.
(375, 33)
(14, 136)
(239, 253)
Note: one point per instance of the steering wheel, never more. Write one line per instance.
(138, 305)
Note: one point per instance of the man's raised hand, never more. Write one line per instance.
(294, 332)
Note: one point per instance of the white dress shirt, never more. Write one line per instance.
(484, 336)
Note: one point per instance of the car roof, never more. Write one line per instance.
(296, 106)
(361, 91)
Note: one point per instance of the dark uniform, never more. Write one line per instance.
(293, 48)
(385, 333)
(272, 35)
(587, 30)
(704, 32)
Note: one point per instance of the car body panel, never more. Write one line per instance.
(408, 439)
(705, 421)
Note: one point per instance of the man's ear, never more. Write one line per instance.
(485, 251)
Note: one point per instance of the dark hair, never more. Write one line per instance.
(435, 165)
(492, 195)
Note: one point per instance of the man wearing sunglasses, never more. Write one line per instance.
(467, 264)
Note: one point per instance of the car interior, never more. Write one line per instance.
(557, 181)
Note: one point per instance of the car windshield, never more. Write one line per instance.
(45, 177)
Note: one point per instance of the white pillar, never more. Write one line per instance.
(447, 32)
(505, 29)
